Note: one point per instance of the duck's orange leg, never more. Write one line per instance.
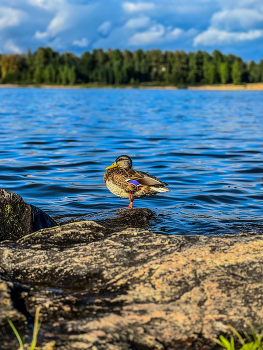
(131, 199)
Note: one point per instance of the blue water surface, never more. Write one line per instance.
(207, 145)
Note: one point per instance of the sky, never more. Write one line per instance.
(231, 26)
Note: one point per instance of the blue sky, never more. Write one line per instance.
(231, 26)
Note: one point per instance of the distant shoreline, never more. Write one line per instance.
(221, 87)
(227, 87)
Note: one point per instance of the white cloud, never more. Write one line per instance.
(149, 36)
(11, 47)
(65, 24)
(81, 43)
(140, 22)
(59, 23)
(131, 7)
(10, 17)
(40, 35)
(104, 28)
(47, 4)
(212, 37)
(176, 33)
(240, 18)
(158, 34)
(233, 25)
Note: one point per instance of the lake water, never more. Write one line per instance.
(207, 145)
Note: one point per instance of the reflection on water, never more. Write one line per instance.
(207, 145)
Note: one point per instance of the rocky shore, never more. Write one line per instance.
(108, 286)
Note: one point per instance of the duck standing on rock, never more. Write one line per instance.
(125, 182)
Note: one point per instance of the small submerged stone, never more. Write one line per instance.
(124, 218)
(118, 219)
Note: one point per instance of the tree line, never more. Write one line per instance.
(113, 67)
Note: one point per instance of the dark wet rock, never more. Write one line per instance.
(18, 218)
(118, 219)
(134, 289)
(123, 218)
(15, 216)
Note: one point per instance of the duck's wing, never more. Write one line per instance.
(145, 179)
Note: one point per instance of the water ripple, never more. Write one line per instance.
(55, 145)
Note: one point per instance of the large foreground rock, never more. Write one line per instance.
(132, 289)
(18, 218)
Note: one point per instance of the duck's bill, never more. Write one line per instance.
(114, 165)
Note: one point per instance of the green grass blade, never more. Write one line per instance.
(36, 329)
(248, 337)
(232, 343)
(241, 340)
(218, 342)
(16, 333)
(252, 341)
(225, 342)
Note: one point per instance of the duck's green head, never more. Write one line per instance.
(123, 162)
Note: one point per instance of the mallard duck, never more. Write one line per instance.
(125, 182)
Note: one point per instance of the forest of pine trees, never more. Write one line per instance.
(113, 67)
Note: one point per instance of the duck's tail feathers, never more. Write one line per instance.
(160, 189)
